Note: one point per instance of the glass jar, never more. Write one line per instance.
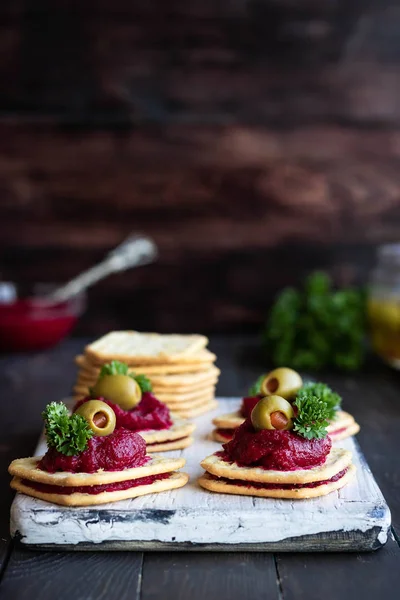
(383, 305)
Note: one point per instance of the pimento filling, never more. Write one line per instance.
(150, 413)
(279, 486)
(122, 449)
(274, 449)
(94, 489)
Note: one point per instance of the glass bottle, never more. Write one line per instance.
(383, 305)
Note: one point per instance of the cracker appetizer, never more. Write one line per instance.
(89, 461)
(287, 384)
(137, 409)
(282, 451)
(180, 367)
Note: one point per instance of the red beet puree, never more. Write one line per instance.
(120, 450)
(280, 486)
(150, 413)
(248, 404)
(94, 489)
(273, 449)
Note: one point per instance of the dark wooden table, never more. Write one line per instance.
(27, 383)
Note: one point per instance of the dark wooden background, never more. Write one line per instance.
(255, 140)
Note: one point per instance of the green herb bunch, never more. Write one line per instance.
(255, 389)
(69, 434)
(115, 367)
(317, 327)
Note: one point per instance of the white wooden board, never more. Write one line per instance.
(354, 518)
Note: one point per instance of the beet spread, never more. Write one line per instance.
(226, 433)
(150, 413)
(94, 489)
(279, 486)
(273, 449)
(247, 405)
(120, 450)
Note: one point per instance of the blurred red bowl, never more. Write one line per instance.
(29, 323)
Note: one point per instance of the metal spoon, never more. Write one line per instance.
(135, 251)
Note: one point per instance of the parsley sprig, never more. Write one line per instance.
(255, 389)
(325, 393)
(316, 326)
(312, 416)
(69, 434)
(115, 367)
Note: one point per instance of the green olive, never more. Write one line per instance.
(272, 412)
(100, 416)
(121, 389)
(283, 382)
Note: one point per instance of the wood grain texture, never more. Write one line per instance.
(237, 213)
(367, 576)
(199, 576)
(259, 61)
(93, 575)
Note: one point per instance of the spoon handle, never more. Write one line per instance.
(135, 251)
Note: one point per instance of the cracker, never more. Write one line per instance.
(180, 428)
(141, 348)
(342, 419)
(350, 430)
(225, 487)
(207, 391)
(337, 460)
(168, 446)
(176, 480)
(196, 412)
(26, 468)
(159, 369)
(217, 437)
(229, 420)
(164, 383)
(190, 404)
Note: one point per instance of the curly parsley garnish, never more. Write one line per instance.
(312, 416)
(325, 393)
(255, 389)
(115, 367)
(68, 434)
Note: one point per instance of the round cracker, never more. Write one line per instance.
(196, 412)
(206, 391)
(174, 481)
(217, 437)
(191, 404)
(229, 420)
(352, 429)
(26, 468)
(337, 460)
(159, 370)
(225, 487)
(168, 446)
(180, 428)
(342, 419)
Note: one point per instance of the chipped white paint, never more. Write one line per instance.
(197, 516)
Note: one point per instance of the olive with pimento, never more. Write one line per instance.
(120, 389)
(272, 412)
(283, 382)
(99, 416)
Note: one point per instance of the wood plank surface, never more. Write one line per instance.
(52, 575)
(29, 382)
(198, 576)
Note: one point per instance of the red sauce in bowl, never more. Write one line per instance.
(27, 325)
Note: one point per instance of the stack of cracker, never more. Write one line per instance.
(180, 367)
